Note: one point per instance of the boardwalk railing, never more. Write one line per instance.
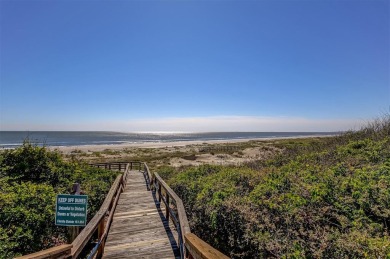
(119, 166)
(174, 207)
(190, 245)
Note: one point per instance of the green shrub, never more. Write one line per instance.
(320, 198)
(30, 178)
(26, 211)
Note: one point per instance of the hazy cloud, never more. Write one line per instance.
(203, 124)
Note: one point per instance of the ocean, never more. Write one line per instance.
(10, 139)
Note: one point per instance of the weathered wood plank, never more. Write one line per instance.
(136, 212)
(139, 228)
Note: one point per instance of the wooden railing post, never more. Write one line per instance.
(167, 206)
(159, 192)
(74, 230)
(100, 235)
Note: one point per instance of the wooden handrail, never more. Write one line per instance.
(190, 245)
(82, 239)
(118, 165)
(184, 225)
(180, 220)
(126, 173)
(61, 251)
(199, 249)
(149, 176)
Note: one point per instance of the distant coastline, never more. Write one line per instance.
(103, 140)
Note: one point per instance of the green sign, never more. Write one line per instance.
(71, 210)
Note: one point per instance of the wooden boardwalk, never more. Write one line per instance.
(131, 224)
(139, 228)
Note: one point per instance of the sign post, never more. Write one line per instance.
(71, 210)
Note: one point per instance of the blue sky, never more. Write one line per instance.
(193, 65)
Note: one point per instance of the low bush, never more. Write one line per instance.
(320, 198)
(30, 178)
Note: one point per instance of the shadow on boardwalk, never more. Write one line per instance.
(139, 228)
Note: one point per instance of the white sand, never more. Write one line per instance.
(98, 148)
(93, 148)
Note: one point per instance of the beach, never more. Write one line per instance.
(166, 144)
(164, 149)
(179, 153)
(102, 147)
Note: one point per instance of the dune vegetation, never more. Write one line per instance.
(318, 198)
(30, 178)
